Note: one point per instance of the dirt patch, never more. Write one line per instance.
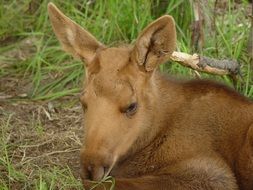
(42, 134)
(34, 135)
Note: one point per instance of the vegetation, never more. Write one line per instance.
(31, 55)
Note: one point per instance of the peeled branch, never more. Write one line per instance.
(206, 64)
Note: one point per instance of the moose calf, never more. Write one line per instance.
(151, 132)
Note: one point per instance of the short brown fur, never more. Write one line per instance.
(150, 132)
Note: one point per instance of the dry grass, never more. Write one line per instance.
(37, 137)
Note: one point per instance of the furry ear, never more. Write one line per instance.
(73, 37)
(156, 43)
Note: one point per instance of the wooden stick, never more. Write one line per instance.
(206, 64)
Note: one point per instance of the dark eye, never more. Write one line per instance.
(84, 106)
(131, 109)
(82, 101)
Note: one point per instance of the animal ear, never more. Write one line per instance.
(73, 37)
(156, 43)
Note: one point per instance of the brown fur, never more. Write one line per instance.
(181, 135)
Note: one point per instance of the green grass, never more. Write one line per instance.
(112, 21)
(55, 74)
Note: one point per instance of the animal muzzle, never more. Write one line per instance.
(96, 166)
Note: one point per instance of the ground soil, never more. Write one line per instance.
(38, 134)
(41, 133)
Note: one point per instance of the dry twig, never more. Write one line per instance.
(29, 159)
(206, 64)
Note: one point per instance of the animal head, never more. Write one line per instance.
(119, 89)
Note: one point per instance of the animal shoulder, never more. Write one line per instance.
(203, 87)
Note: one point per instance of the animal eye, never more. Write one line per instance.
(82, 101)
(131, 109)
(84, 106)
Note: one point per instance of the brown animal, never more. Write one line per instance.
(148, 131)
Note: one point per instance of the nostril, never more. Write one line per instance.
(89, 173)
(89, 168)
